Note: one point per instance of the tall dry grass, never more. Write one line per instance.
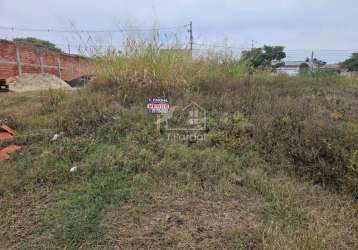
(306, 124)
(147, 68)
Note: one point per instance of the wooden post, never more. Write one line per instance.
(158, 123)
(18, 60)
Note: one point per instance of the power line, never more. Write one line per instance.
(90, 31)
(291, 52)
(331, 51)
(310, 50)
(219, 46)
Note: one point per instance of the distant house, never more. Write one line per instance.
(291, 68)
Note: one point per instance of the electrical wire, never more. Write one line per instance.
(90, 31)
(219, 46)
(290, 53)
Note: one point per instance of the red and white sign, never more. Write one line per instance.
(158, 106)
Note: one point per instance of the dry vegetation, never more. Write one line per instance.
(291, 184)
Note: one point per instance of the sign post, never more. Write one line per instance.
(158, 105)
(158, 123)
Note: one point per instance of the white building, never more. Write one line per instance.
(291, 68)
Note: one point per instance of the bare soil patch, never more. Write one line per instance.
(34, 82)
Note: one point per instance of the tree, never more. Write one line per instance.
(352, 63)
(37, 43)
(269, 56)
(254, 57)
(274, 53)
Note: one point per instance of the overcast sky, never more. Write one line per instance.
(296, 24)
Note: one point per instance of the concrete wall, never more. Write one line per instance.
(18, 59)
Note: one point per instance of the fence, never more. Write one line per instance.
(18, 59)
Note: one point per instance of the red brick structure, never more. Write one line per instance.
(17, 59)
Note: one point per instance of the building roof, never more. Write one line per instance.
(293, 63)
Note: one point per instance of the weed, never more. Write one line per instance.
(271, 139)
(76, 217)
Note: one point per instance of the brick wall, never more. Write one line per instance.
(18, 59)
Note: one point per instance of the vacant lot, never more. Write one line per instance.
(288, 182)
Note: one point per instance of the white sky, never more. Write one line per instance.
(297, 24)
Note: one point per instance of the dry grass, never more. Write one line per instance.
(21, 217)
(261, 212)
(291, 183)
(183, 222)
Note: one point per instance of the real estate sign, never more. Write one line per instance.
(158, 105)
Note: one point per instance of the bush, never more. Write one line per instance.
(306, 125)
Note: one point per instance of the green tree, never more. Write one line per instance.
(37, 43)
(269, 56)
(352, 63)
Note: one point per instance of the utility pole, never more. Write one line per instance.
(191, 38)
(69, 48)
(312, 63)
